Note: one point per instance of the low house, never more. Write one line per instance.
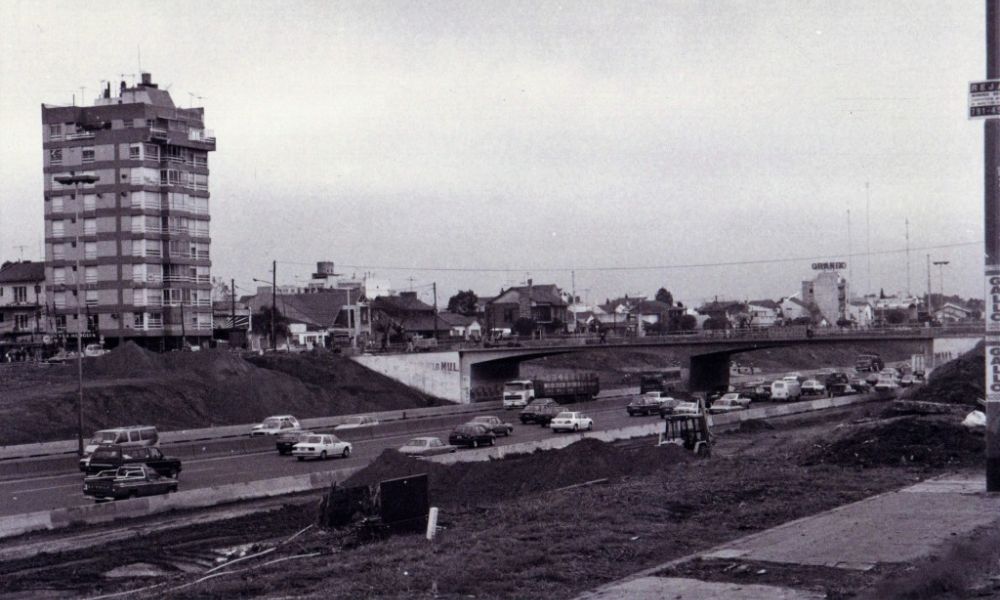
(732, 313)
(462, 326)
(763, 313)
(543, 305)
(951, 313)
(792, 308)
(22, 301)
(860, 313)
(326, 318)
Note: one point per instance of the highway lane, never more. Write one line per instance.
(47, 492)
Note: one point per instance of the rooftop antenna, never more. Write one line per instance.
(850, 258)
(868, 232)
(138, 53)
(191, 98)
(21, 250)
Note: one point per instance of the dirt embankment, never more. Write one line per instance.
(959, 381)
(181, 390)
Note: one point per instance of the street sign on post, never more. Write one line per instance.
(984, 99)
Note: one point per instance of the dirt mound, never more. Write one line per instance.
(124, 362)
(754, 425)
(957, 382)
(483, 482)
(932, 441)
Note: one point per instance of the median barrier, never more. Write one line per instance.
(92, 514)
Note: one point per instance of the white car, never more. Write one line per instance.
(813, 387)
(658, 397)
(321, 446)
(275, 425)
(571, 421)
(724, 405)
(426, 446)
(357, 421)
(734, 397)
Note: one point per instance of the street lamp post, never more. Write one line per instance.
(75, 181)
(941, 265)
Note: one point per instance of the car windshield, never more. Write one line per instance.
(483, 420)
(271, 422)
(102, 437)
(417, 442)
(564, 415)
(515, 387)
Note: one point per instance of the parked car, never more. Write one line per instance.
(426, 446)
(127, 482)
(540, 411)
(726, 404)
(321, 446)
(133, 435)
(759, 392)
(643, 405)
(735, 397)
(813, 387)
(859, 384)
(786, 389)
(658, 396)
(287, 440)
(497, 426)
(571, 421)
(275, 425)
(834, 378)
(841, 389)
(357, 421)
(111, 457)
(472, 435)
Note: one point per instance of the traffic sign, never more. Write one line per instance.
(984, 99)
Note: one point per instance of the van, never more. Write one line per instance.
(786, 389)
(134, 435)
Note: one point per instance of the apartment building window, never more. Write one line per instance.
(57, 204)
(20, 294)
(91, 298)
(93, 322)
(137, 320)
(55, 131)
(90, 274)
(152, 152)
(135, 152)
(90, 250)
(55, 156)
(89, 202)
(61, 323)
(89, 226)
(21, 321)
(200, 160)
(59, 275)
(59, 298)
(88, 155)
(58, 228)
(58, 251)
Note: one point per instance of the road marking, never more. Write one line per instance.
(44, 489)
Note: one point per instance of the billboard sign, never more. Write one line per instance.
(984, 99)
(829, 266)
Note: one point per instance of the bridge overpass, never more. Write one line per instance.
(457, 374)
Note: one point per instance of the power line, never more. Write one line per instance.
(734, 263)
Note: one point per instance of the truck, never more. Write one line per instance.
(578, 388)
(868, 362)
(127, 482)
(663, 380)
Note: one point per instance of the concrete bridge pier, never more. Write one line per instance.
(709, 371)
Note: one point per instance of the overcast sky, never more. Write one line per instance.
(629, 141)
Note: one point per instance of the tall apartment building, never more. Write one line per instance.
(135, 242)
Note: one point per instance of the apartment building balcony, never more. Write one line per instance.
(79, 135)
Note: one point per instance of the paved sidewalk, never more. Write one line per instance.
(895, 527)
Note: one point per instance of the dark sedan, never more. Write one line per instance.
(472, 435)
(643, 405)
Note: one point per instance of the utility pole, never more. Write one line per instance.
(929, 310)
(907, 257)
(940, 264)
(991, 198)
(868, 234)
(274, 301)
(850, 257)
(232, 307)
(435, 288)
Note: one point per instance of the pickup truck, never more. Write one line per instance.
(127, 482)
(113, 456)
(540, 411)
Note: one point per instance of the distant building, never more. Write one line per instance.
(763, 313)
(951, 313)
(543, 304)
(828, 293)
(22, 302)
(793, 308)
(860, 313)
(316, 319)
(140, 233)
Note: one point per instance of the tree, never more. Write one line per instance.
(896, 316)
(262, 323)
(662, 295)
(687, 322)
(463, 303)
(524, 326)
(715, 323)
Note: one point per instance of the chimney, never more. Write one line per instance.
(121, 89)
(147, 79)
